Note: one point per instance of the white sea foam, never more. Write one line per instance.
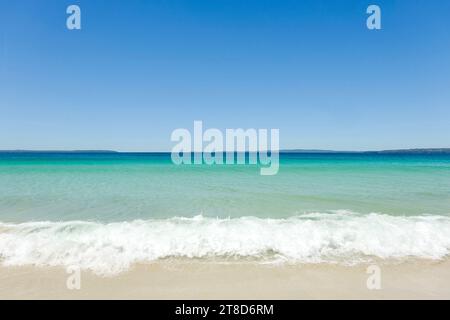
(342, 237)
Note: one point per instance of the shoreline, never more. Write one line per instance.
(417, 279)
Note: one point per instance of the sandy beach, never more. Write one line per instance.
(198, 280)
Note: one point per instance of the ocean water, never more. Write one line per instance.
(107, 211)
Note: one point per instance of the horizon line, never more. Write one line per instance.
(296, 150)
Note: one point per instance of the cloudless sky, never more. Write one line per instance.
(139, 69)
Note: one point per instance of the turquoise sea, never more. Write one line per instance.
(108, 211)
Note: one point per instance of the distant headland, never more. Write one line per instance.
(58, 151)
(394, 151)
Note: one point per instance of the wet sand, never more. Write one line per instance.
(199, 280)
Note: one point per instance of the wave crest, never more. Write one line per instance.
(110, 248)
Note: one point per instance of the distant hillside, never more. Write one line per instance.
(57, 151)
(397, 151)
(403, 151)
(421, 151)
(313, 151)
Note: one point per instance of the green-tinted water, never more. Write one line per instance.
(123, 187)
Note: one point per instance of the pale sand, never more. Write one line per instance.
(196, 280)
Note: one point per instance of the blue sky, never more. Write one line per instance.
(139, 69)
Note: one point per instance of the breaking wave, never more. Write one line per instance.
(338, 237)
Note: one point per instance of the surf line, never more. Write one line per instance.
(238, 145)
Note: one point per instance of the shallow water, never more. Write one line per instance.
(105, 212)
(122, 187)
